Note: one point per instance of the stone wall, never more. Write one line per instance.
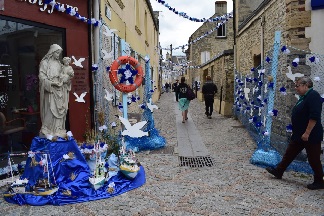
(289, 17)
(211, 43)
(249, 38)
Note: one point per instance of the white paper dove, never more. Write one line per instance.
(108, 96)
(151, 106)
(133, 130)
(78, 63)
(292, 76)
(109, 32)
(107, 55)
(80, 99)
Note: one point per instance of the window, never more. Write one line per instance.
(221, 31)
(205, 57)
(23, 44)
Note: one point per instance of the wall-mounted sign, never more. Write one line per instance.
(108, 12)
(1, 4)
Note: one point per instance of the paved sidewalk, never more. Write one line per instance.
(190, 143)
(232, 186)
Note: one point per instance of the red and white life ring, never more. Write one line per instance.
(122, 60)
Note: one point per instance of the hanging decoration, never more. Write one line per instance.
(292, 76)
(184, 15)
(133, 68)
(80, 98)
(78, 63)
(295, 62)
(132, 130)
(108, 96)
(198, 38)
(314, 59)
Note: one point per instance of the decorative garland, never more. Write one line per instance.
(184, 15)
(71, 11)
(199, 38)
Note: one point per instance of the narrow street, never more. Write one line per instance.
(229, 185)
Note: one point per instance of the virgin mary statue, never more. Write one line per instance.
(53, 94)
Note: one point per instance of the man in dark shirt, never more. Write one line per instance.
(209, 90)
(174, 88)
(307, 133)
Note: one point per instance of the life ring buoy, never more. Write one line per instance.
(114, 77)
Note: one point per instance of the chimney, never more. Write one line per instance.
(220, 8)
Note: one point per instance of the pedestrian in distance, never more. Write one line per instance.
(307, 132)
(209, 90)
(174, 88)
(183, 101)
(167, 86)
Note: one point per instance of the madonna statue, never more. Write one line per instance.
(54, 95)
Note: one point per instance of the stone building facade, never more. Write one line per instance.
(213, 56)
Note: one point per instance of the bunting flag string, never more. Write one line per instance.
(71, 11)
(184, 15)
(198, 38)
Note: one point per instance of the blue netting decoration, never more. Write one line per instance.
(263, 102)
(153, 140)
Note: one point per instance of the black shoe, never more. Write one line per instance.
(315, 186)
(274, 172)
(206, 113)
(209, 117)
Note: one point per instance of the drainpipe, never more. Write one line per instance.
(262, 40)
(262, 50)
(96, 12)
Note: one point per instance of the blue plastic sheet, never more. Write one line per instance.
(71, 176)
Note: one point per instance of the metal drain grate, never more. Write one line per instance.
(196, 161)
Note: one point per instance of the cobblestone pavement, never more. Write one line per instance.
(232, 186)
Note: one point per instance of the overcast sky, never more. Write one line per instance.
(176, 30)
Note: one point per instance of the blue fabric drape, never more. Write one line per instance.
(71, 175)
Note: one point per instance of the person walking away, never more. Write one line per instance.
(183, 101)
(209, 90)
(174, 88)
(307, 132)
(167, 86)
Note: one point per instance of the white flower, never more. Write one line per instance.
(66, 156)
(111, 185)
(31, 154)
(69, 133)
(146, 58)
(317, 79)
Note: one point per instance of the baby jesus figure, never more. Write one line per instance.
(67, 71)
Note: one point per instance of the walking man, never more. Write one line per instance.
(174, 88)
(167, 86)
(209, 90)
